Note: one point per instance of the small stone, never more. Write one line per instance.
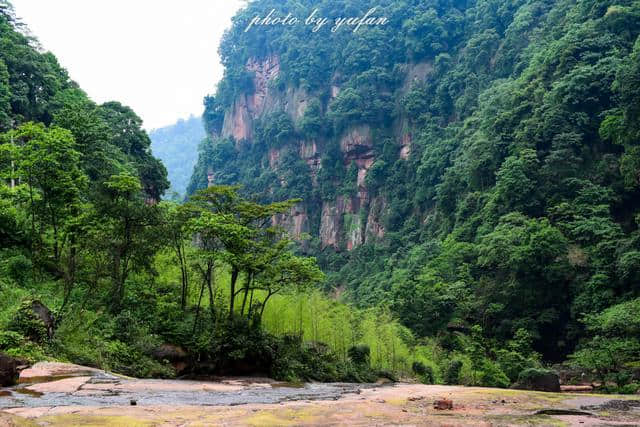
(443, 404)
(133, 402)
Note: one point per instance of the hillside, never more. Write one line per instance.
(474, 164)
(177, 147)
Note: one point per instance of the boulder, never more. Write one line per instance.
(443, 404)
(44, 314)
(538, 380)
(33, 320)
(170, 352)
(10, 368)
(174, 354)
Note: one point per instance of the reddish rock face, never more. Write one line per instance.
(238, 122)
(345, 222)
(296, 222)
(264, 71)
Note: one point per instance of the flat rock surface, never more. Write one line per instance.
(82, 396)
(55, 369)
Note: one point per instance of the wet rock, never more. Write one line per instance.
(10, 368)
(576, 388)
(51, 371)
(563, 412)
(538, 380)
(44, 314)
(616, 405)
(443, 404)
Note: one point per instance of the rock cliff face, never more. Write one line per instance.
(346, 220)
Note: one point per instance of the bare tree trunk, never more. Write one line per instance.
(195, 321)
(247, 284)
(209, 280)
(232, 297)
(264, 304)
(250, 303)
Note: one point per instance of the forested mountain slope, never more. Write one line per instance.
(177, 147)
(470, 163)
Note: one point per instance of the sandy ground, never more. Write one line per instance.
(399, 404)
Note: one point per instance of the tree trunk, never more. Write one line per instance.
(264, 304)
(209, 280)
(247, 284)
(232, 297)
(195, 321)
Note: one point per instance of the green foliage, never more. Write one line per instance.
(313, 124)
(425, 373)
(359, 354)
(276, 130)
(452, 372)
(612, 348)
(18, 268)
(27, 323)
(492, 376)
(10, 339)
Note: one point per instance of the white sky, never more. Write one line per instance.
(159, 57)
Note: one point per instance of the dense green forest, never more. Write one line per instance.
(495, 171)
(177, 147)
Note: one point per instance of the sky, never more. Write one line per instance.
(159, 57)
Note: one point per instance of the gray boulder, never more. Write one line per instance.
(538, 380)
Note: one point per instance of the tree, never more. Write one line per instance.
(125, 225)
(47, 163)
(289, 273)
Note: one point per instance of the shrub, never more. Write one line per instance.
(18, 268)
(360, 354)
(492, 376)
(512, 363)
(10, 339)
(28, 350)
(452, 372)
(631, 388)
(125, 359)
(298, 361)
(419, 368)
(424, 372)
(27, 323)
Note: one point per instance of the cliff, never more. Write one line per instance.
(345, 220)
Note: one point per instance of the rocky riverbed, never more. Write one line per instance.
(55, 394)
